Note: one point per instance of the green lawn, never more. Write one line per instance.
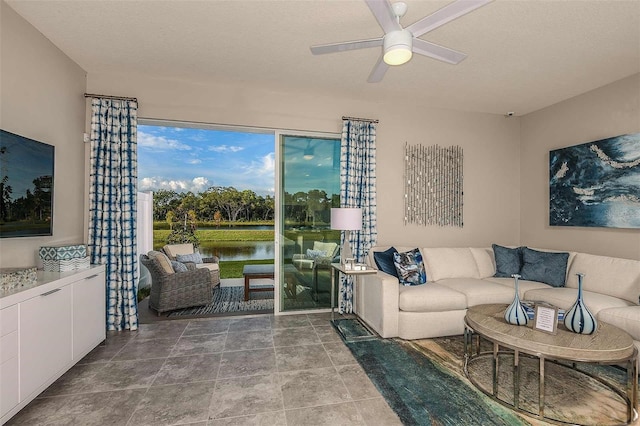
(160, 235)
(233, 268)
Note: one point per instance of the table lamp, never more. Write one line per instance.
(346, 219)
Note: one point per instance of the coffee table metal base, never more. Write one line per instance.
(474, 354)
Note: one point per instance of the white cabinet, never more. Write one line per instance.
(45, 338)
(8, 359)
(45, 329)
(88, 318)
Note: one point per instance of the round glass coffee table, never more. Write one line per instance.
(608, 345)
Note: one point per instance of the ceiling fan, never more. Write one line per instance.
(399, 44)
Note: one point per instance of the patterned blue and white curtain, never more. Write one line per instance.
(358, 189)
(112, 206)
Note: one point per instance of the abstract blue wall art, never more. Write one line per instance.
(596, 183)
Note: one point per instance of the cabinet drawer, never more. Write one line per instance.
(8, 320)
(8, 385)
(8, 346)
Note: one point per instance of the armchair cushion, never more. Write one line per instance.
(162, 260)
(191, 257)
(179, 266)
(173, 250)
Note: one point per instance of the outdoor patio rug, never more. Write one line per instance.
(231, 300)
(423, 382)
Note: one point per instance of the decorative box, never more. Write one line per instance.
(63, 252)
(17, 277)
(66, 264)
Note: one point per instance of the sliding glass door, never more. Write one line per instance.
(309, 185)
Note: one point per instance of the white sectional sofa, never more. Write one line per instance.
(462, 277)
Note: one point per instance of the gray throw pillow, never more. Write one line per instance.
(545, 267)
(179, 266)
(508, 260)
(410, 267)
(192, 257)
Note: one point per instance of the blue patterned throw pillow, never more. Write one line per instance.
(508, 260)
(384, 261)
(410, 267)
(179, 266)
(314, 254)
(545, 267)
(192, 257)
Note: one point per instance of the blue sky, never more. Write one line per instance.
(188, 159)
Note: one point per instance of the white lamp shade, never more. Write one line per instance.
(346, 219)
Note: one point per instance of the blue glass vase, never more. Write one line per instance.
(515, 313)
(579, 319)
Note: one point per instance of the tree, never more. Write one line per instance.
(170, 218)
(217, 217)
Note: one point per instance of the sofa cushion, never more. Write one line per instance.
(431, 297)
(191, 257)
(478, 291)
(484, 260)
(610, 275)
(162, 261)
(442, 263)
(627, 319)
(545, 267)
(523, 285)
(410, 267)
(384, 261)
(564, 298)
(508, 260)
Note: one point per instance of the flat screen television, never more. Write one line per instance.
(26, 186)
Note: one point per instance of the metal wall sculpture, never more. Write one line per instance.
(433, 191)
(596, 183)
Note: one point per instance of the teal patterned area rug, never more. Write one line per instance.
(423, 393)
(424, 384)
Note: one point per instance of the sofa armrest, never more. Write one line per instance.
(212, 259)
(377, 302)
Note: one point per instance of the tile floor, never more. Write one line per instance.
(257, 370)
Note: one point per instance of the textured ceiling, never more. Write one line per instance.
(522, 55)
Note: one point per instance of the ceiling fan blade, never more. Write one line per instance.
(378, 71)
(348, 45)
(383, 12)
(446, 14)
(435, 51)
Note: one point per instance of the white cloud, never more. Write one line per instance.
(197, 184)
(195, 161)
(160, 143)
(226, 148)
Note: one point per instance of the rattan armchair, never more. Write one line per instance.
(177, 290)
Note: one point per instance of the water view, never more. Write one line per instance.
(238, 250)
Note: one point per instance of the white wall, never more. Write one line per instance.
(609, 111)
(42, 98)
(490, 143)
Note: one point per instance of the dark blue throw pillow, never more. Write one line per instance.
(545, 267)
(384, 261)
(508, 260)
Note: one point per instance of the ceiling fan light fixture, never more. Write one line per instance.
(397, 47)
(308, 154)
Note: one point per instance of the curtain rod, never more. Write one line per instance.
(120, 98)
(370, 120)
